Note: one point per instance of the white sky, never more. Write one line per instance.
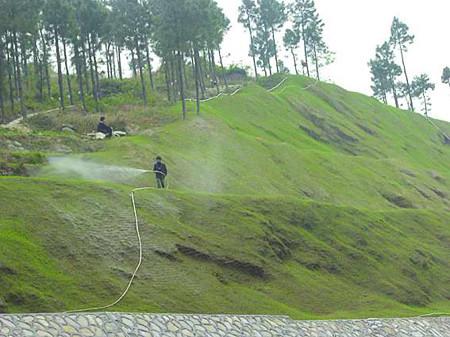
(353, 30)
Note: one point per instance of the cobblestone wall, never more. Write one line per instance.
(127, 325)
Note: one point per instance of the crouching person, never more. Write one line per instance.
(102, 127)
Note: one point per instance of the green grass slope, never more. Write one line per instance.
(309, 201)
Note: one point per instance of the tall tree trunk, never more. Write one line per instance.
(305, 47)
(19, 78)
(14, 66)
(216, 80)
(252, 43)
(202, 79)
(86, 59)
(316, 60)
(197, 80)
(91, 70)
(181, 84)
(425, 103)
(141, 72)
(184, 74)
(46, 65)
(207, 57)
(41, 78)
(79, 71)
(295, 61)
(224, 77)
(276, 48)
(119, 62)
(166, 77)
(174, 81)
(2, 71)
(58, 64)
(407, 79)
(193, 62)
(149, 65)
(10, 78)
(66, 63)
(24, 58)
(108, 60)
(269, 65)
(394, 93)
(133, 63)
(96, 73)
(113, 63)
(37, 68)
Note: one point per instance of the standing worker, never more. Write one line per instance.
(160, 170)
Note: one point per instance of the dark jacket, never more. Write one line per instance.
(103, 128)
(160, 170)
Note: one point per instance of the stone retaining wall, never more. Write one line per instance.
(143, 325)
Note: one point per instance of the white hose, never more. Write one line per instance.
(133, 202)
(235, 92)
(278, 85)
(436, 314)
(139, 264)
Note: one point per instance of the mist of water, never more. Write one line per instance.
(89, 170)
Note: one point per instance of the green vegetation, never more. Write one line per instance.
(316, 203)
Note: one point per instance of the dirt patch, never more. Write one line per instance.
(398, 200)
(314, 135)
(333, 102)
(423, 193)
(327, 132)
(268, 132)
(167, 255)
(279, 243)
(440, 193)
(366, 129)
(436, 176)
(5, 270)
(408, 173)
(318, 262)
(421, 259)
(241, 266)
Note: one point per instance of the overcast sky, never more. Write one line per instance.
(353, 30)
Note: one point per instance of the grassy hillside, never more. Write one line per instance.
(312, 202)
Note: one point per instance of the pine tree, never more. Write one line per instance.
(291, 41)
(401, 38)
(380, 85)
(264, 48)
(318, 49)
(272, 16)
(247, 17)
(385, 71)
(57, 14)
(420, 87)
(446, 76)
(402, 93)
(303, 12)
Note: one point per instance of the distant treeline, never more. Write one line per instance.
(64, 50)
(89, 39)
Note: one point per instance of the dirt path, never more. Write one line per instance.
(17, 123)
